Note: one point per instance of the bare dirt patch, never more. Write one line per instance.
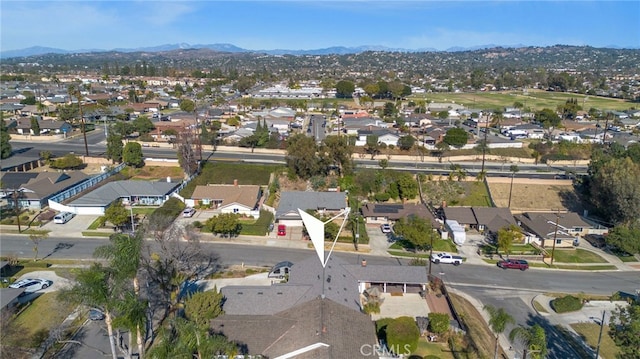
(534, 195)
(287, 184)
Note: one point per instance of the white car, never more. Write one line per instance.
(385, 228)
(188, 212)
(31, 285)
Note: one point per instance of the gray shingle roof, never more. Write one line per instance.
(103, 196)
(389, 273)
(291, 201)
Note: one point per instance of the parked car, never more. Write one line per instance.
(514, 264)
(446, 258)
(95, 314)
(62, 217)
(31, 285)
(385, 228)
(188, 212)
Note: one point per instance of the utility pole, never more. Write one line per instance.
(485, 144)
(600, 335)
(16, 205)
(84, 131)
(430, 252)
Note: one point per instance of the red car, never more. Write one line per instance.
(514, 264)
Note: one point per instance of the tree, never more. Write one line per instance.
(117, 214)
(336, 152)
(36, 238)
(132, 154)
(625, 238)
(416, 230)
(187, 105)
(35, 126)
(403, 335)
(458, 172)
(187, 153)
(114, 147)
(123, 253)
(372, 146)
(345, 89)
(405, 143)
(507, 236)
(498, 321)
(548, 119)
(122, 128)
(226, 224)
(69, 161)
(456, 137)
(143, 125)
(5, 146)
(625, 331)
(407, 186)
(438, 322)
(534, 340)
(201, 307)
(94, 288)
(615, 190)
(302, 156)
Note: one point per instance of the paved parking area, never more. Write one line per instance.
(409, 304)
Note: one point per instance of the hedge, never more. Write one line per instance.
(566, 304)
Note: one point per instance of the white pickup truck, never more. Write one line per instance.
(447, 258)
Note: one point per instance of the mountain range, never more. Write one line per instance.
(338, 50)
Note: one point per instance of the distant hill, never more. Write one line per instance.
(335, 50)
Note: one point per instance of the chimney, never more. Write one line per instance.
(235, 183)
(364, 263)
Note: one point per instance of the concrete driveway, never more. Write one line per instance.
(73, 228)
(58, 283)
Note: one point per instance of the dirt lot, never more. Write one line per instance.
(532, 194)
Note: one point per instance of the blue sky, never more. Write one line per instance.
(266, 25)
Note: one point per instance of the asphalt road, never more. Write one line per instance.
(97, 147)
(535, 280)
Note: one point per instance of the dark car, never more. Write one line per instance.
(95, 314)
(514, 264)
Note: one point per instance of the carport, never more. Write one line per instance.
(389, 278)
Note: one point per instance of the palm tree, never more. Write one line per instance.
(94, 288)
(513, 169)
(534, 340)
(498, 321)
(123, 254)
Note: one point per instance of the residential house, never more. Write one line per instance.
(238, 199)
(9, 298)
(384, 136)
(483, 219)
(392, 212)
(543, 228)
(144, 193)
(310, 316)
(322, 202)
(35, 191)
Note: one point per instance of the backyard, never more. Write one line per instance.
(534, 194)
(226, 173)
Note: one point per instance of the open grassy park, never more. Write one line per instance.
(534, 99)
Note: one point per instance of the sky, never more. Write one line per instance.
(306, 24)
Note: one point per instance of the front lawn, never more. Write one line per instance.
(590, 332)
(43, 314)
(436, 350)
(260, 227)
(577, 256)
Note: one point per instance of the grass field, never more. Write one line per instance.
(534, 99)
(153, 173)
(590, 331)
(577, 256)
(476, 195)
(44, 313)
(480, 336)
(439, 350)
(226, 173)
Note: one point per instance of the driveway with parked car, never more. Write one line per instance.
(54, 283)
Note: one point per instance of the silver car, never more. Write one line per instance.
(32, 285)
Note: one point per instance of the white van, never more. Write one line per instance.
(62, 217)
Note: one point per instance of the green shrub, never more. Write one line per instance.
(566, 304)
(403, 335)
(382, 197)
(198, 224)
(371, 308)
(438, 322)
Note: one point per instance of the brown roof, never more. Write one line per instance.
(464, 215)
(246, 195)
(395, 211)
(49, 183)
(343, 331)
